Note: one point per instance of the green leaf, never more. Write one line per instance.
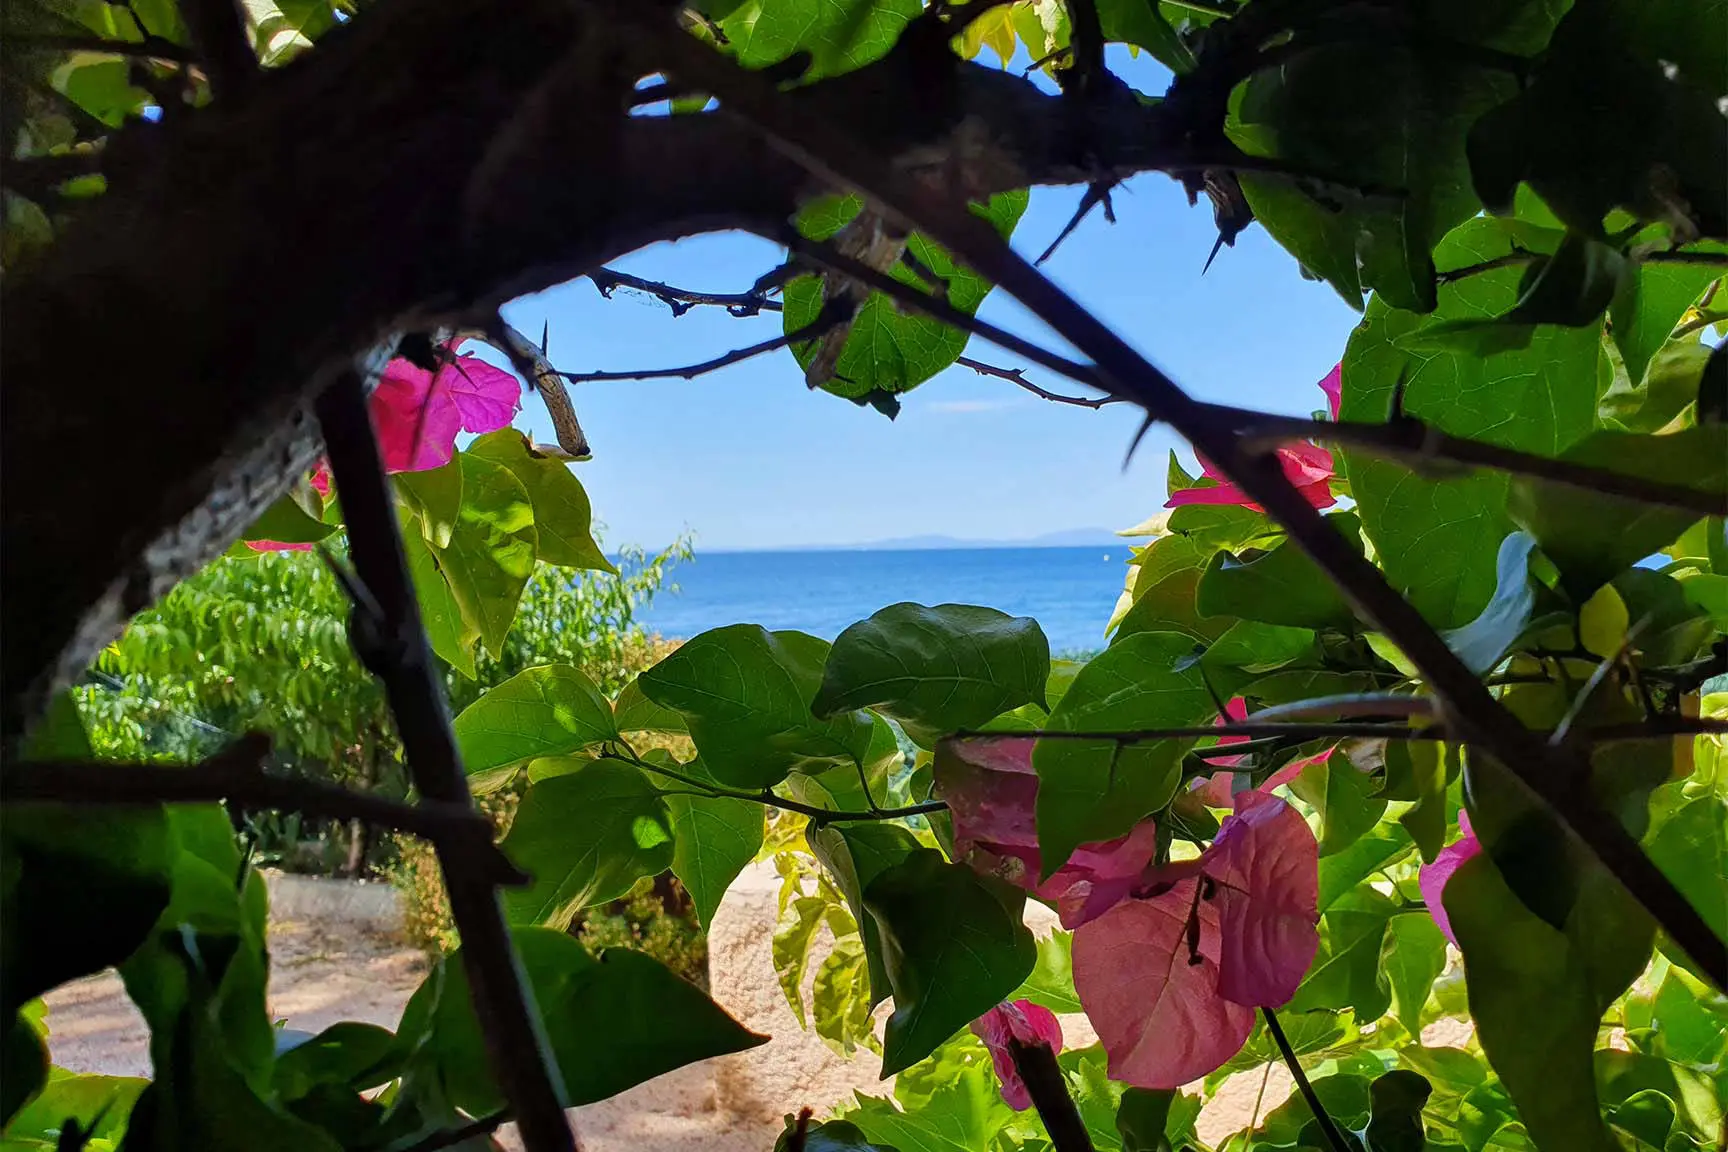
(1346, 971)
(854, 855)
(1691, 848)
(586, 838)
(1426, 769)
(634, 712)
(964, 1116)
(715, 837)
(1051, 984)
(1309, 113)
(1649, 305)
(549, 710)
(828, 1136)
(1590, 536)
(887, 350)
(1097, 789)
(1481, 643)
(352, 1055)
(840, 37)
(1345, 798)
(1689, 1020)
(1140, 23)
(837, 1010)
(1573, 286)
(440, 613)
(288, 523)
(1673, 381)
(563, 518)
(1427, 533)
(1395, 1112)
(1412, 956)
(1534, 1010)
(1142, 1117)
(953, 946)
(1252, 647)
(935, 670)
(82, 887)
(100, 1106)
(1345, 1097)
(746, 694)
(23, 1066)
(434, 496)
(1281, 587)
(613, 1023)
(1344, 870)
(491, 551)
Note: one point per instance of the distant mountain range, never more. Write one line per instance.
(1067, 538)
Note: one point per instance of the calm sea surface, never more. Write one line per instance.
(1070, 591)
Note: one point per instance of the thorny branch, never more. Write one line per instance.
(1038, 1070)
(236, 774)
(391, 641)
(829, 318)
(1334, 1138)
(1018, 376)
(682, 300)
(1523, 256)
(830, 153)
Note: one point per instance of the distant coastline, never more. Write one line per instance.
(1068, 538)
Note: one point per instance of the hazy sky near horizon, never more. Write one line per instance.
(747, 457)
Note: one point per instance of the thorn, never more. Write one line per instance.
(1217, 246)
(1098, 192)
(546, 337)
(1139, 435)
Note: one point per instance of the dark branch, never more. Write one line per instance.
(392, 644)
(770, 800)
(1044, 1081)
(835, 156)
(828, 320)
(450, 1137)
(1660, 727)
(1309, 1096)
(1521, 256)
(150, 48)
(224, 47)
(1412, 441)
(236, 774)
(1087, 38)
(1018, 376)
(681, 300)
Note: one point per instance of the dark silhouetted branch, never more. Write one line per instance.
(224, 46)
(236, 774)
(391, 641)
(150, 48)
(770, 800)
(450, 1137)
(681, 300)
(830, 318)
(1412, 441)
(1334, 1138)
(1018, 376)
(1038, 1070)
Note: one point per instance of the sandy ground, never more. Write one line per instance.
(330, 965)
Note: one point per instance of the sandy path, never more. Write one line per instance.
(327, 967)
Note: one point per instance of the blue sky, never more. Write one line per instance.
(748, 458)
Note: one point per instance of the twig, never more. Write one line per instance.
(768, 799)
(834, 156)
(1523, 256)
(800, 1134)
(1408, 439)
(1038, 1070)
(236, 774)
(829, 319)
(1333, 1137)
(149, 48)
(1608, 664)
(521, 1059)
(1018, 376)
(450, 1137)
(681, 300)
(1087, 37)
(1656, 728)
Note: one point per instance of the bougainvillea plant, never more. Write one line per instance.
(1405, 762)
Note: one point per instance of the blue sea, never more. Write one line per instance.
(1070, 591)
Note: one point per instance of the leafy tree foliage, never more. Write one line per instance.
(1450, 748)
